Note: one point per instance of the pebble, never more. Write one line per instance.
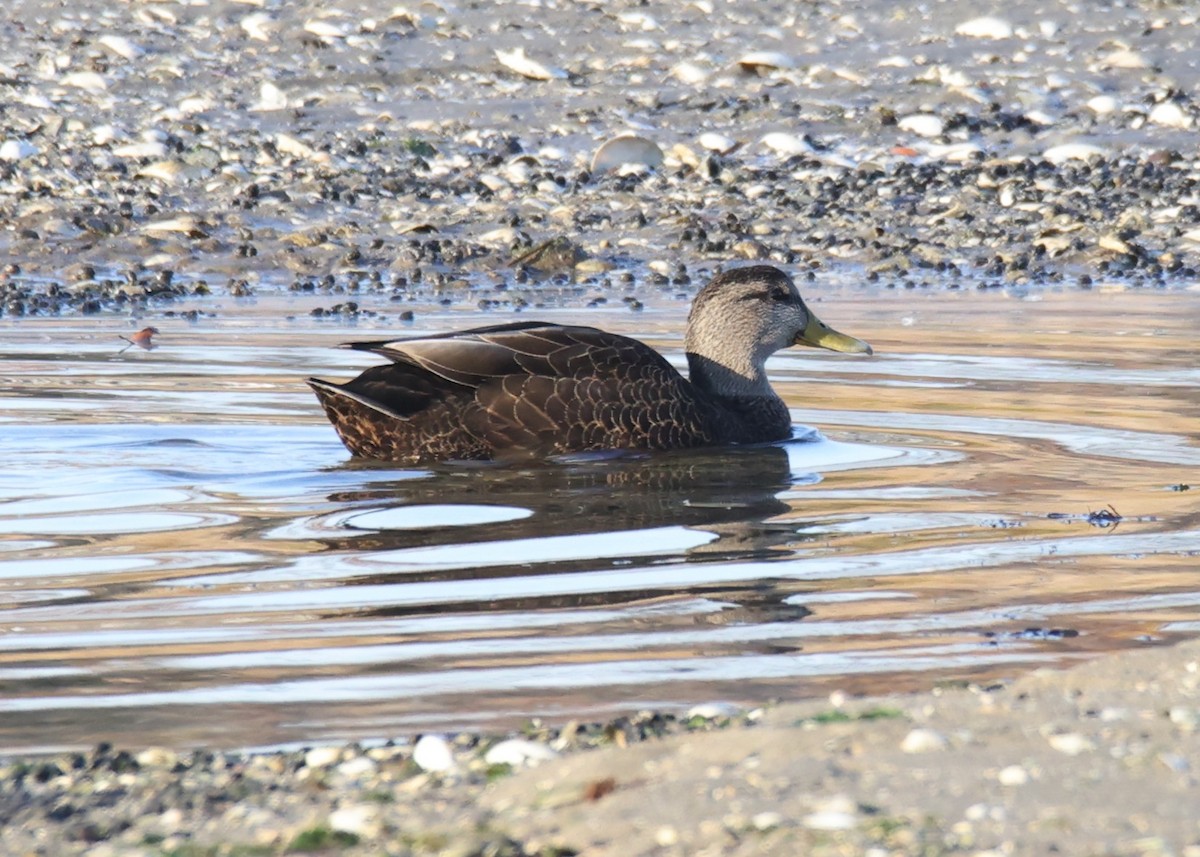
(360, 819)
(925, 124)
(17, 150)
(626, 149)
(157, 757)
(322, 757)
(666, 836)
(767, 820)
(1072, 151)
(516, 60)
(765, 61)
(835, 813)
(985, 28)
(1171, 115)
(357, 768)
(1070, 743)
(433, 753)
(1185, 717)
(922, 740)
(1013, 775)
(787, 144)
(519, 752)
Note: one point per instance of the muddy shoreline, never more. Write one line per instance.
(1102, 758)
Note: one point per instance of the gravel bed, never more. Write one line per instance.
(157, 154)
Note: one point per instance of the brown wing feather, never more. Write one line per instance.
(524, 388)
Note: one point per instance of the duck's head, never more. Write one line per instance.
(759, 310)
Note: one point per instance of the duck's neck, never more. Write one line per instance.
(727, 378)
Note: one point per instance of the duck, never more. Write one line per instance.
(534, 389)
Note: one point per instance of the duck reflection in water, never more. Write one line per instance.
(729, 493)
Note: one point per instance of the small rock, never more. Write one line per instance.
(835, 813)
(666, 836)
(757, 61)
(1072, 151)
(433, 754)
(121, 46)
(787, 144)
(360, 819)
(17, 150)
(1187, 719)
(322, 757)
(985, 27)
(1171, 115)
(1070, 743)
(767, 820)
(718, 143)
(518, 752)
(1102, 105)
(516, 60)
(357, 768)
(921, 740)
(626, 149)
(925, 124)
(1013, 775)
(157, 757)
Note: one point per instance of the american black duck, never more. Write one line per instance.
(537, 389)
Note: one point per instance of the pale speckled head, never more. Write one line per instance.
(742, 317)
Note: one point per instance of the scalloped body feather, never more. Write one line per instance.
(531, 389)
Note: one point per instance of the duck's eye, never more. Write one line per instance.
(781, 295)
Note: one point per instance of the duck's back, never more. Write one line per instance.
(519, 389)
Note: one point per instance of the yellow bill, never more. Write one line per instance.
(818, 334)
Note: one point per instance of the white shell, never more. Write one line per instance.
(361, 819)
(689, 73)
(322, 757)
(325, 29)
(518, 752)
(88, 80)
(121, 46)
(165, 171)
(17, 150)
(259, 25)
(921, 740)
(1068, 151)
(185, 224)
(144, 149)
(1070, 743)
(1171, 115)
(954, 151)
(515, 60)
(289, 145)
(626, 149)
(433, 753)
(986, 27)
(1102, 104)
(271, 97)
(756, 60)
(925, 124)
(1124, 58)
(718, 142)
(787, 144)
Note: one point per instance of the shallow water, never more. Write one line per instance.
(188, 555)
